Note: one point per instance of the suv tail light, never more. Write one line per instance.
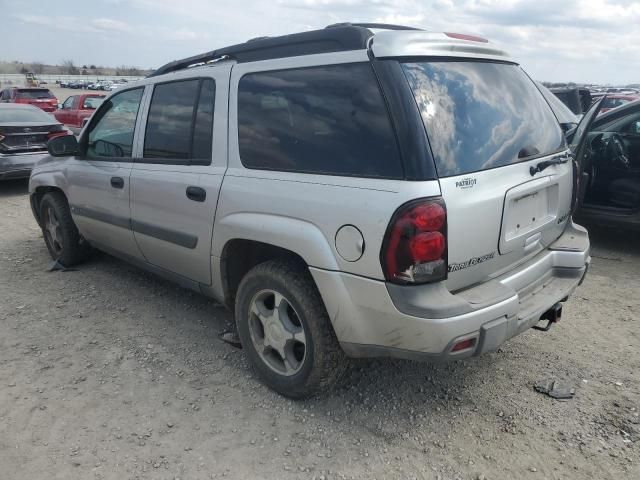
(415, 244)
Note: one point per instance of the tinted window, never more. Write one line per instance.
(327, 120)
(170, 133)
(35, 93)
(203, 128)
(481, 115)
(112, 127)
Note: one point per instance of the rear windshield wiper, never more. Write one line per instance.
(557, 160)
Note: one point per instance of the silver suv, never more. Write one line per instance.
(362, 190)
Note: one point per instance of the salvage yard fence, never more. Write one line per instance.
(19, 80)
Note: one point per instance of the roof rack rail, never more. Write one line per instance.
(338, 38)
(381, 26)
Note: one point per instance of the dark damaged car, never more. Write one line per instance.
(24, 133)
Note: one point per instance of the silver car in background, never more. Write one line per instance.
(346, 193)
(24, 133)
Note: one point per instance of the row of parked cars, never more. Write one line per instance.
(74, 112)
(354, 191)
(105, 85)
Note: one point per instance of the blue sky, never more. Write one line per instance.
(556, 40)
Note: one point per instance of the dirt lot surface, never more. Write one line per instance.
(108, 372)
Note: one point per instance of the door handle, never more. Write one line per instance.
(196, 194)
(117, 182)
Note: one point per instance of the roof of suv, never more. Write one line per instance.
(396, 40)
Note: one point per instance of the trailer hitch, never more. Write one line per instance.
(552, 316)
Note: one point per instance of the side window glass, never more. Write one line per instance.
(67, 103)
(168, 132)
(324, 120)
(180, 122)
(203, 126)
(111, 130)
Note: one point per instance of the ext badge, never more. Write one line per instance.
(454, 267)
(465, 183)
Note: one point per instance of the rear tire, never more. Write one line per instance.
(285, 330)
(64, 242)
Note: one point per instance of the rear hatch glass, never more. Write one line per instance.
(487, 125)
(34, 94)
(482, 115)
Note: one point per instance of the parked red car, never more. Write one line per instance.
(38, 97)
(616, 100)
(77, 109)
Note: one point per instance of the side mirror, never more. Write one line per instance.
(60, 106)
(64, 146)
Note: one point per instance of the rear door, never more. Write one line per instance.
(175, 184)
(502, 160)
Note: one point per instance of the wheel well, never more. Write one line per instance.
(240, 255)
(36, 198)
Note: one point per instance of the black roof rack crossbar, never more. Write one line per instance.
(381, 26)
(336, 39)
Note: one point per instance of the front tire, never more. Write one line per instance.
(285, 330)
(64, 242)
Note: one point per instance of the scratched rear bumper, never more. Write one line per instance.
(373, 319)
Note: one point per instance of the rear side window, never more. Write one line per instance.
(481, 115)
(180, 122)
(324, 120)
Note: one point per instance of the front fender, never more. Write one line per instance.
(47, 173)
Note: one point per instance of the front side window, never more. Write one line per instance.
(481, 115)
(323, 120)
(112, 128)
(68, 103)
(180, 122)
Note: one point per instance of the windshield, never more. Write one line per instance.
(481, 115)
(35, 93)
(18, 115)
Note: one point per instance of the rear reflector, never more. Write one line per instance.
(464, 345)
(470, 38)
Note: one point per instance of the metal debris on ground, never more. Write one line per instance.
(55, 266)
(555, 389)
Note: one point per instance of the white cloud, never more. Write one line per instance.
(109, 24)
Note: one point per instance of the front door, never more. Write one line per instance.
(98, 178)
(175, 186)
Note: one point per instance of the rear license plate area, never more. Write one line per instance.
(528, 209)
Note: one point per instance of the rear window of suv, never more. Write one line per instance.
(328, 120)
(34, 93)
(482, 115)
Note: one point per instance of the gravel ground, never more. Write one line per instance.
(108, 372)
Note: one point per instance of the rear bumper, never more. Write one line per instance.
(18, 165)
(373, 319)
